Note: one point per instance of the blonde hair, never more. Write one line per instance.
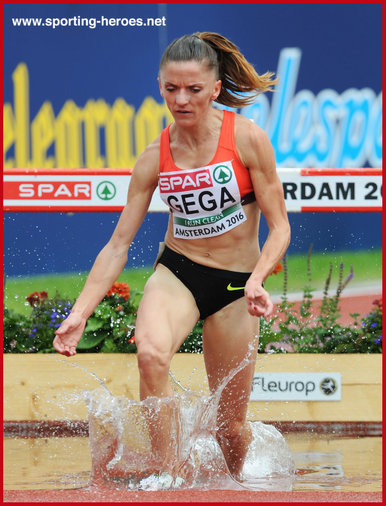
(237, 75)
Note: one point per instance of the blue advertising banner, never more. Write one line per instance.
(81, 91)
(80, 81)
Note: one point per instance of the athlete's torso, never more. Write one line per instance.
(212, 205)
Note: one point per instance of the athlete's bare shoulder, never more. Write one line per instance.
(146, 168)
(246, 130)
(251, 140)
(150, 155)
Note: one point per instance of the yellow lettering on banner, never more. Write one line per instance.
(119, 136)
(77, 133)
(95, 116)
(42, 136)
(68, 144)
(8, 134)
(151, 118)
(21, 107)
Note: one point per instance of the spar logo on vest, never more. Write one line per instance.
(204, 202)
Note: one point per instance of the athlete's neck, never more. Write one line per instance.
(193, 136)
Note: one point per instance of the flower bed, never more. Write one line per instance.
(308, 329)
(110, 329)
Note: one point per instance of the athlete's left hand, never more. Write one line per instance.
(258, 300)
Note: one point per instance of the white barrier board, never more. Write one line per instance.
(64, 190)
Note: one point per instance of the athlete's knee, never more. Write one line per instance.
(152, 361)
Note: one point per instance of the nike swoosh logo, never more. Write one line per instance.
(230, 288)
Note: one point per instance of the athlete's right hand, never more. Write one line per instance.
(259, 300)
(68, 334)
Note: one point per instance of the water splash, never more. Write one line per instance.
(90, 373)
(122, 454)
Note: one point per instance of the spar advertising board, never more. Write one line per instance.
(305, 190)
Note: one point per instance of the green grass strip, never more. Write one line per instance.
(367, 267)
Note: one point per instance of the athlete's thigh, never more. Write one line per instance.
(230, 344)
(167, 312)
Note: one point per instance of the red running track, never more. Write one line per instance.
(361, 304)
(191, 496)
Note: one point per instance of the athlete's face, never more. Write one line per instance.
(188, 89)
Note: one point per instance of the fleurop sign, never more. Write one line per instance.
(318, 386)
(65, 190)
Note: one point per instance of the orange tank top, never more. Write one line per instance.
(206, 201)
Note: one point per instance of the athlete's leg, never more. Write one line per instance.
(231, 335)
(166, 315)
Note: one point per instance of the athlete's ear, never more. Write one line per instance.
(160, 86)
(216, 91)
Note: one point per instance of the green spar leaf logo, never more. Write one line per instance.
(106, 190)
(222, 174)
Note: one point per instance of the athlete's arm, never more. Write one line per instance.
(113, 257)
(257, 154)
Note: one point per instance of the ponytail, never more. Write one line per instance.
(237, 75)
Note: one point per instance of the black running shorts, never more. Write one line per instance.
(211, 288)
